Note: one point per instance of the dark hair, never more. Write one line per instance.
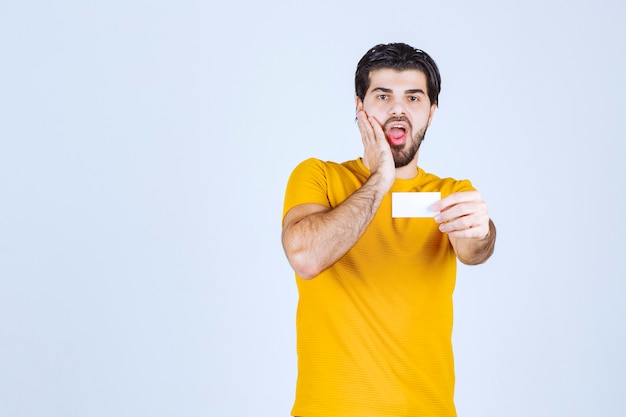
(400, 57)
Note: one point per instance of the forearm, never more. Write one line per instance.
(318, 240)
(476, 251)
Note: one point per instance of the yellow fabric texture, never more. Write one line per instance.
(374, 330)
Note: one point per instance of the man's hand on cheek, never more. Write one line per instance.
(377, 153)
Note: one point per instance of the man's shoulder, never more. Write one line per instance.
(316, 164)
(446, 185)
(318, 161)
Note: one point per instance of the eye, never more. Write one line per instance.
(414, 98)
(382, 96)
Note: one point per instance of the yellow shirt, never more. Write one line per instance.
(374, 330)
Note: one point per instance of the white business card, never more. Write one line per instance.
(413, 204)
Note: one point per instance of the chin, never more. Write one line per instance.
(404, 158)
(400, 163)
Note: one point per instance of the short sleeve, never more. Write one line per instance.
(307, 185)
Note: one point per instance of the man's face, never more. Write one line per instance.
(399, 101)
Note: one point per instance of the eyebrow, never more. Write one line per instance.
(389, 90)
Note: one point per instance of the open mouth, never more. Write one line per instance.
(396, 133)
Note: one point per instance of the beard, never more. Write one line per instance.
(405, 153)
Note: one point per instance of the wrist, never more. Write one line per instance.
(385, 179)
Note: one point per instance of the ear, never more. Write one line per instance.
(359, 104)
(431, 113)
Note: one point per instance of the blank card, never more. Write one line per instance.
(413, 204)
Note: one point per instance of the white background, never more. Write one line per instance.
(144, 151)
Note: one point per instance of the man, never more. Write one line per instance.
(374, 320)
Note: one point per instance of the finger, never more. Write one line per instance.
(460, 223)
(473, 233)
(467, 226)
(377, 128)
(478, 232)
(456, 198)
(461, 210)
(367, 132)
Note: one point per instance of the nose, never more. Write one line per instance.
(396, 107)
